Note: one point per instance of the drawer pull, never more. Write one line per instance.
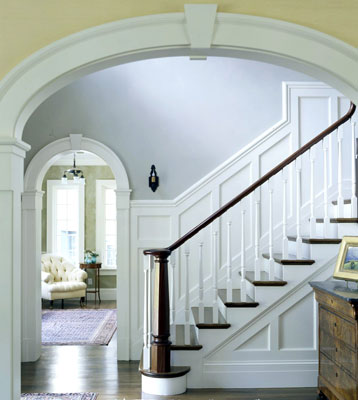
(336, 374)
(336, 350)
(335, 324)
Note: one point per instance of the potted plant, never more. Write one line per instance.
(91, 257)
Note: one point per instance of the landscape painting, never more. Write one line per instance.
(351, 259)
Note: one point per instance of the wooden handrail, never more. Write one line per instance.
(262, 180)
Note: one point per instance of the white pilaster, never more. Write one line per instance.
(12, 155)
(31, 276)
(123, 278)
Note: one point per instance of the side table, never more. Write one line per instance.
(97, 267)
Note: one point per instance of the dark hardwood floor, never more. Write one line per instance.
(96, 369)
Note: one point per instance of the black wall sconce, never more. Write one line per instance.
(153, 179)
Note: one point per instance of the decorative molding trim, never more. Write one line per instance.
(234, 35)
(200, 24)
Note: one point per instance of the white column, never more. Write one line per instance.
(31, 318)
(215, 278)
(284, 214)
(228, 264)
(123, 275)
(242, 261)
(12, 155)
(312, 192)
(187, 302)
(271, 259)
(340, 200)
(201, 284)
(325, 188)
(298, 209)
(354, 177)
(257, 234)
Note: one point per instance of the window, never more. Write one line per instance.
(65, 220)
(106, 222)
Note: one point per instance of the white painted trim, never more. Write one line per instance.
(34, 175)
(263, 39)
(101, 184)
(53, 184)
(163, 386)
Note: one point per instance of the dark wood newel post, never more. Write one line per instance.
(160, 350)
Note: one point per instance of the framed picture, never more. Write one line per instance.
(347, 261)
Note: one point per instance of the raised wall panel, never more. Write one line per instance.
(260, 341)
(268, 159)
(229, 189)
(154, 227)
(314, 117)
(187, 220)
(297, 327)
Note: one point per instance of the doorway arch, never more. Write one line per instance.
(31, 244)
(199, 31)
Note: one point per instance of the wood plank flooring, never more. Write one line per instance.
(96, 369)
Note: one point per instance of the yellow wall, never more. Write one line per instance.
(26, 26)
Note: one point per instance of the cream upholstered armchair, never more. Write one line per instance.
(61, 280)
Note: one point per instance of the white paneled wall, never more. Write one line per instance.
(308, 108)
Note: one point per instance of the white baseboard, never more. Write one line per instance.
(265, 375)
(106, 294)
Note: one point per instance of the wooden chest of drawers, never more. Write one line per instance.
(338, 372)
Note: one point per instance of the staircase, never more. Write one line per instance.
(234, 336)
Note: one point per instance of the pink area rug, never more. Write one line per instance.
(78, 327)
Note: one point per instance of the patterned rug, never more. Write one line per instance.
(59, 396)
(78, 327)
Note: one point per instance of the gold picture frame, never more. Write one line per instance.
(347, 261)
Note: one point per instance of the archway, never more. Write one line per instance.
(31, 244)
(200, 31)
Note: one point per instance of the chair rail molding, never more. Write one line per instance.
(234, 35)
(31, 249)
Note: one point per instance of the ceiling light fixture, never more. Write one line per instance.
(78, 176)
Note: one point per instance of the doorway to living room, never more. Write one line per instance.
(79, 251)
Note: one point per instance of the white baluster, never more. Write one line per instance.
(201, 284)
(284, 214)
(312, 193)
(271, 259)
(257, 235)
(298, 208)
(229, 265)
(242, 264)
(325, 188)
(354, 177)
(215, 278)
(187, 303)
(340, 200)
(172, 300)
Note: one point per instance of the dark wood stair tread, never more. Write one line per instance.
(264, 279)
(345, 201)
(180, 339)
(208, 319)
(289, 260)
(174, 372)
(236, 299)
(339, 220)
(316, 240)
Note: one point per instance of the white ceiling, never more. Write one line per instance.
(82, 158)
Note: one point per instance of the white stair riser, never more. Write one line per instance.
(315, 251)
(350, 229)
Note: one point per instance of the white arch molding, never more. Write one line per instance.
(31, 243)
(197, 31)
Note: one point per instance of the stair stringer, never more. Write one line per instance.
(223, 365)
